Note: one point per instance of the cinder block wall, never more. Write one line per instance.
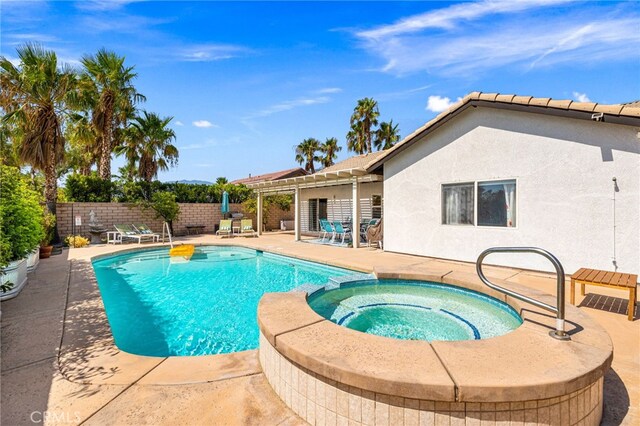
(109, 214)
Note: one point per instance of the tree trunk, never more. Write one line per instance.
(51, 191)
(105, 148)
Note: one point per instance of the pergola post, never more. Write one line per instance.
(259, 213)
(355, 226)
(297, 208)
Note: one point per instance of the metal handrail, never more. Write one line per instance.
(559, 332)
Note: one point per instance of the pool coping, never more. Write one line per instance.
(523, 365)
(208, 368)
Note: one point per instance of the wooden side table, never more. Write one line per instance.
(617, 280)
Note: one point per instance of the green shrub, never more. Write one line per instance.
(49, 227)
(89, 188)
(21, 229)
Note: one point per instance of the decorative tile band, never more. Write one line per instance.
(321, 401)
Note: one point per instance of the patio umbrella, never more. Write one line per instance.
(225, 203)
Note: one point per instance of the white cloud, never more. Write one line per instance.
(210, 52)
(209, 143)
(449, 17)
(104, 5)
(203, 124)
(179, 123)
(581, 97)
(433, 42)
(437, 103)
(289, 105)
(20, 38)
(328, 90)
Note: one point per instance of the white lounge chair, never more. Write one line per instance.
(128, 231)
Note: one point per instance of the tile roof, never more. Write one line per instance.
(355, 162)
(282, 174)
(545, 105)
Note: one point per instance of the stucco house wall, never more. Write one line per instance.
(565, 194)
(339, 201)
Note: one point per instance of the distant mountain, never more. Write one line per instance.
(199, 182)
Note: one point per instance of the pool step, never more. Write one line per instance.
(335, 282)
(308, 288)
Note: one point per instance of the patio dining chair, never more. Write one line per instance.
(365, 225)
(341, 230)
(326, 228)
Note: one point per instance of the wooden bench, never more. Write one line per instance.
(617, 280)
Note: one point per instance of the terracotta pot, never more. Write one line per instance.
(45, 252)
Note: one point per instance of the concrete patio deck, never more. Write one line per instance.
(60, 366)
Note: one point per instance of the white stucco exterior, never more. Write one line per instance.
(564, 169)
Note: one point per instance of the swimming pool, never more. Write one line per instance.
(415, 310)
(206, 306)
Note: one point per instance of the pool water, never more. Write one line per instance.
(415, 310)
(205, 306)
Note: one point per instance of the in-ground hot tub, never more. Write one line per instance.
(415, 310)
(328, 373)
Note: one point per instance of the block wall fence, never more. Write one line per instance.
(108, 214)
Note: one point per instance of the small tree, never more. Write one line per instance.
(165, 205)
(283, 201)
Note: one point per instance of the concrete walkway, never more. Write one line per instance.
(60, 366)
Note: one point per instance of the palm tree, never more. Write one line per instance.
(330, 149)
(386, 136)
(306, 152)
(35, 98)
(148, 143)
(355, 140)
(364, 118)
(107, 87)
(83, 145)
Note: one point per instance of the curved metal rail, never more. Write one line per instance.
(559, 332)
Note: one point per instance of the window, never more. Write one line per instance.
(457, 204)
(317, 211)
(494, 203)
(376, 206)
(497, 203)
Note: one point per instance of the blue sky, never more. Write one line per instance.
(247, 81)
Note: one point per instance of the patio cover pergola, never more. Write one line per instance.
(327, 177)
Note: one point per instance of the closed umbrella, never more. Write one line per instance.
(225, 203)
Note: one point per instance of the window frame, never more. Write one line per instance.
(475, 202)
(380, 207)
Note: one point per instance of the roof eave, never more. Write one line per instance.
(612, 118)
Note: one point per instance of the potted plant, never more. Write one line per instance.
(49, 225)
(20, 229)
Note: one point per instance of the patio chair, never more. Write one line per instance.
(145, 230)
(374, 234)
(128, 231)
(341, 230)
(326, 229)
(365, 225)
(246, 228)
(225, 228)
